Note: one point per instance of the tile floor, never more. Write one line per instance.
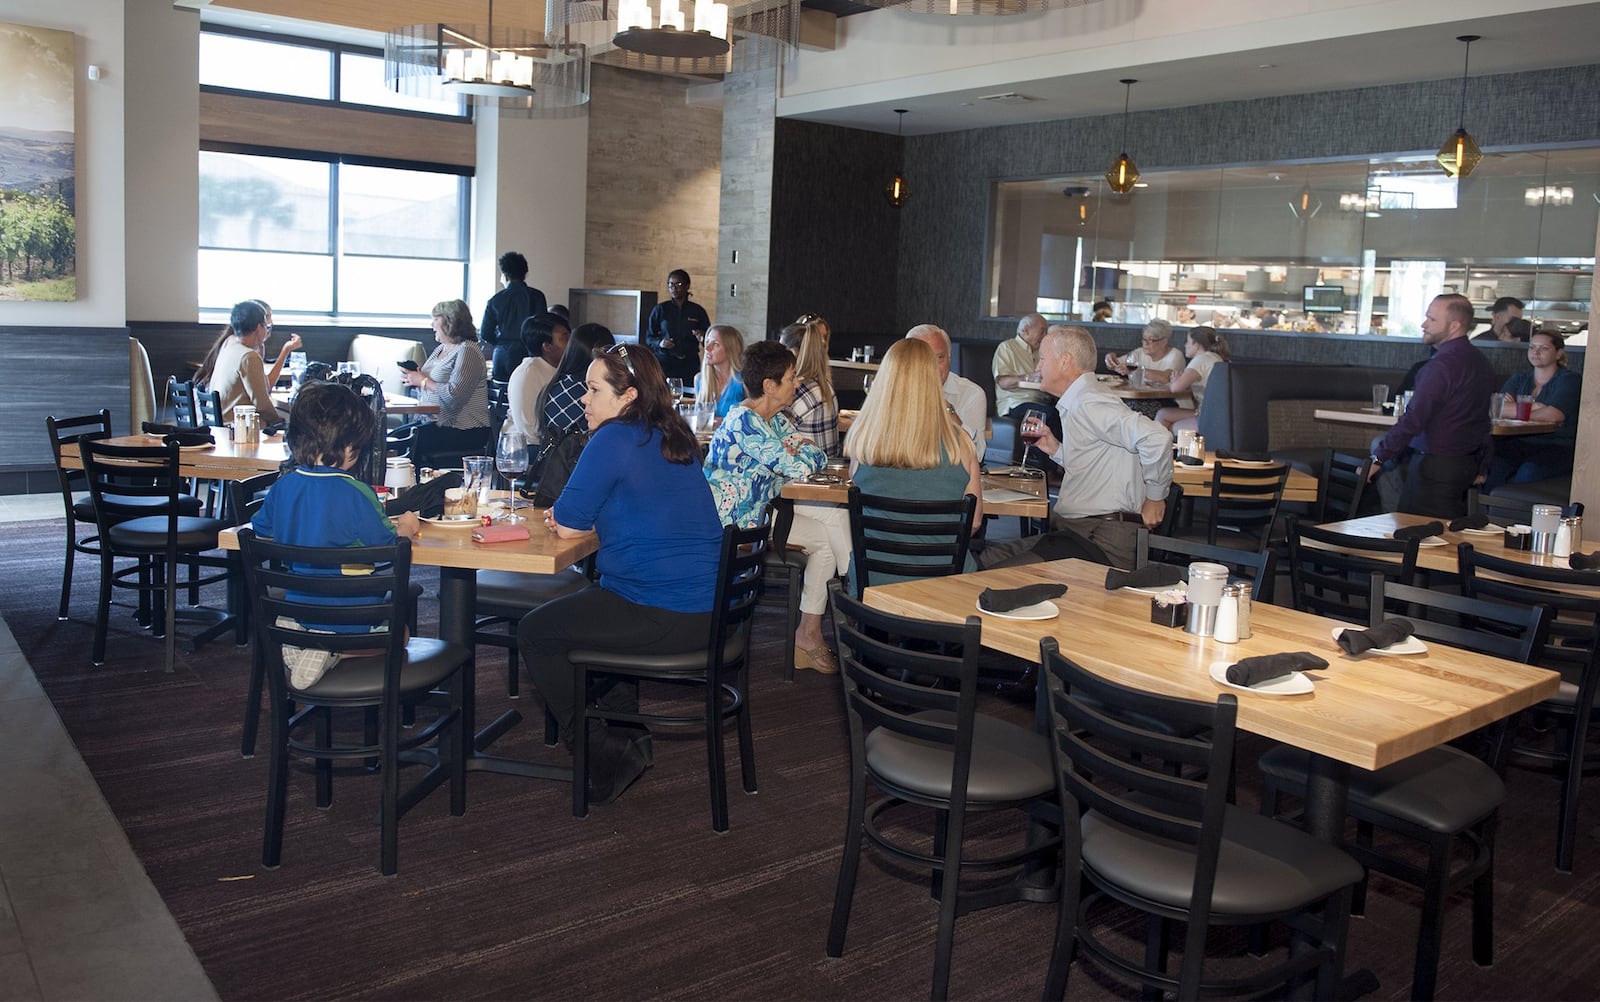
(79, 919)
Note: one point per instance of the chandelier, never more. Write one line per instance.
(969, 8)
(666, 36)
(511, 68)
(660, 31)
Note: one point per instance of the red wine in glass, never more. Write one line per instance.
(1032, 430)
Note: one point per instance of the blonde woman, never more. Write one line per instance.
(905, 443)
(720, 380)
(815, 407)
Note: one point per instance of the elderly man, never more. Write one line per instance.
(1155, 354)
(1117, 464)
(1446, 426)
(966, 398)
(1017, 361)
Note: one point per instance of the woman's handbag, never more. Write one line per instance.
(557, 459)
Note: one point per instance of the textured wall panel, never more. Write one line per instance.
(745, 222)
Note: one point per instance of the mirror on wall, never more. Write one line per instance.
(1343, 247)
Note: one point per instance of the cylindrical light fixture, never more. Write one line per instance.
(1124, 173)
(1460, 153)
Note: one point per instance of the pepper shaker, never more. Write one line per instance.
(1245, 599)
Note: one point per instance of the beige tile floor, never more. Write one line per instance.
(79, 918)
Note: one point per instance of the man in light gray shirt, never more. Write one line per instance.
(1117, 464)
(965, 398)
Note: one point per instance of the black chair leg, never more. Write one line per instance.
(849, 863)
(66, 571)
(277, 789)
(103, 610)
(1425, 974)
(252, 706)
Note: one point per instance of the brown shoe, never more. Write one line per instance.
(818, 659)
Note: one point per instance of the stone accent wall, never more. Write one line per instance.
(745, 224)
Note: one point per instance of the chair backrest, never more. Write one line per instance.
(1330, 573)
(1573, 637)
(208, 408)
(1513, 632)
(141, 385)
(1502, 510)
(117, 495)
(1246, 497)
(181, 397)
(1258, 567)
(1109, 762)
(743, 557)
(1342, 486)
(1169, 519)
(310, 585)
(499, 403)
(902, 538)
(910, 677)
(243, 496)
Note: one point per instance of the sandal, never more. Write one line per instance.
(818, 659)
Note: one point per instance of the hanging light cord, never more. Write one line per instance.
(1127, 97)
(1466, 61)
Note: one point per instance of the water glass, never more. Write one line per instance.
(353, 369)
(675, 387)
(1380, 396)
(477, 476)
(297, 364)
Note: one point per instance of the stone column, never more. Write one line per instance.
(744, 231)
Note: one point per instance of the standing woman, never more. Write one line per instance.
(675, 328)
(1204, 349)
(721, 381)
(237, 373)
(815, 407)
(638, 484)
(456, 380)
(1556, 390)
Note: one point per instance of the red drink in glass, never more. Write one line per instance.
(1524, 408)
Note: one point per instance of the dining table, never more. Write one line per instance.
(1022, 496)
(1196, 480)
(393, 403)
(223, 459)
(1386, 419)
(1441, 553)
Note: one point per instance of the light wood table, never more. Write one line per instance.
(1196, 480)
(1127, 391)
(223, 460)
(393, 403)
(1367, 416)
(1446, 559)
(1035, 506)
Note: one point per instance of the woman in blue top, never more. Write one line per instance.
(721, 381)
(638, 486)
(758, 448)
(1556, 389)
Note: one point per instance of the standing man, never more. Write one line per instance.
(1446, 425)
(675, 329)
(500, 337)
(1117, 465)
(1504, 310)
(965, 398)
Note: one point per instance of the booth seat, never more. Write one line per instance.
(377, 356)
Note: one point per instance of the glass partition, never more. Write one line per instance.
(1348, 247)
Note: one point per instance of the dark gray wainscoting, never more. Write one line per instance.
(64, 371)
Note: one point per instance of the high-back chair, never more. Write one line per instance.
(378, 667)
(1572, 648)
(1500, 510)
(180, 396)
(1258, 566)
(1443, 798)
(897, 538)
(720, 671)
(1330, 573)
(1148, 826)
(208, 407)
(1341, 487)
(62, 431)
(916, 735)
(1245, 499)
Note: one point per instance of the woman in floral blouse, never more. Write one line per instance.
(754, 451)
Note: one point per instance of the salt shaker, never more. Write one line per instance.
(1227, 628)
(1245, 598)
(1563, 543)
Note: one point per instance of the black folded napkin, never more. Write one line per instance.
(1245, 457)
(1006, 599)
(1148, 576)
(1478, 521)
(1254, 671)
(426, 499)
(1573, 509)
(1392, 631)
(1585, 561)
(1191, 460)
(185, 434)
(1420, 531)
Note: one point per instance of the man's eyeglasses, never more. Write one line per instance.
(1152, 340)
(622, 350)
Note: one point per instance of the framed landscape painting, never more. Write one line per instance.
(38, 193)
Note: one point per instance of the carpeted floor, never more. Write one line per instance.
(520, 900)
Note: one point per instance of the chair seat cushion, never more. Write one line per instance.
(687, 662)
(1442, 789)
(1264, 866)
(512, 593)
(785, 559)
(149, 534)
(1009, 763)
(83, 511)
(428, 662)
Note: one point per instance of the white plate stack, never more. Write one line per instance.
(1520, 286)
(1582, 287)
(1553, 286)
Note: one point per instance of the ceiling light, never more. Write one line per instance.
(512, 68)
(897, 191)
(658, 28)
(681, 37)
(967, 8)
(1550, 194)
(1124, 174)
(1460, 153)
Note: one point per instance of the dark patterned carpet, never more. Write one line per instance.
(520, 900)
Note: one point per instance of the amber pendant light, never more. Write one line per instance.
(1460, 153)
(897, 191)
(1124, 173)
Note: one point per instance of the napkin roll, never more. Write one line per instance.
(1477, 521)
(1585, 561)
(1191, 460)
(1006, 599)
(1148, 576)
(1420, 531)
(184, 434)
(1266, 667)
(1390, 631)
(500, 534)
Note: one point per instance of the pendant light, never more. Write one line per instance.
(1124, 172)
(897, 191)
(1460, 153)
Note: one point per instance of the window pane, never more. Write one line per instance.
(292, 283)
(400, 213)
(264, 203)
(270, 67)
(385, 285)
(361, 82)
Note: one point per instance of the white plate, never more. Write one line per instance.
(1434, 541)
(1410, 645)
(197, 448)
(1293, 684)
(1249, 462)
(1182, 587)
(1038, 610)
(1493, 530)
(473, 522)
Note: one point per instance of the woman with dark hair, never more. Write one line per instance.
(544, 342)
(237, 372)
(1556, 390)
(202, 376)
(456, 378)
(638, 485)
(1204, 349)
(675, 328)
(560, 405)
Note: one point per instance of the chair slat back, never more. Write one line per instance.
(1501, 511)
(1573, 636)
(116, 473)
(243, 497)
(1331, 572)
(743, 558)
(74, 429)
(1498, 629)
(208, 408)
(1343, 485)
(899, 537)
(1246, 497)
(181, 397)
(1258, 567)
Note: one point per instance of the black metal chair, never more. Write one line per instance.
(1342, 486)
(1258, 566)
(208, 408)
(181, 397)
(1572, 648)
(916, 735)
(1245, 499)
(146, 517)
(1443, 797)
(720, 671)
(786, 570)
(897, 538)
(1500, 510)
(1330, 573)
(244, 500)
(408, 671)
(1149, 827)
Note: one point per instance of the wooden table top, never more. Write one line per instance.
(542, 553)
(223, 460)
(1368, 416)
(1127, 391)
(1368, 712)
(845, 363)
(1036, 506)
(393, 403)
(1446, 559)
(1196, 480)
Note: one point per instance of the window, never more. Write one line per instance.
(361, 82)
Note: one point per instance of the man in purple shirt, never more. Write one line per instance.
(1446, 425)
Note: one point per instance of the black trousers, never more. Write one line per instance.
(1436, 486)
(601, 619)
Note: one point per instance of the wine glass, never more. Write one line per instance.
(511, 456)
(675, 387)
(1031, 430)
(866, 383)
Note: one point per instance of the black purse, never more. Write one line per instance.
(558, 457)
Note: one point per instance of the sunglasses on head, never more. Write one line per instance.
(622, 350)
(808, 318)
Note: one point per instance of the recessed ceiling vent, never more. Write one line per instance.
(1009, 97)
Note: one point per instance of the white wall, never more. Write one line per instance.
(102, 300)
